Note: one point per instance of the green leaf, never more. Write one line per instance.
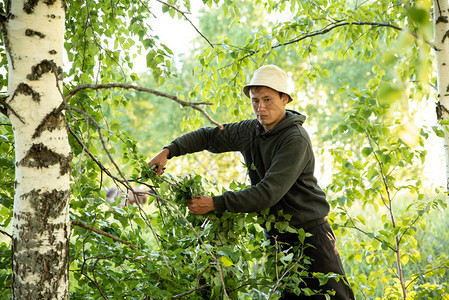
(418, 15)
(287, 258)
(389, 94)
(438, 131)
(226, 261)
(367, 151)
(115, 124)
(361, 219)
(139, 222)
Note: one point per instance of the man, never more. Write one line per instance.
(279, 157)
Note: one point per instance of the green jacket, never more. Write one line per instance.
(280, 165)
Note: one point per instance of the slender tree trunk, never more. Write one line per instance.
(34, 35)
(441, 19)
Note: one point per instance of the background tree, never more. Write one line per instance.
(441, 47)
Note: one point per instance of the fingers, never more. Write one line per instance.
(156, 168)
(200, 205)
(161, 170)
(193, 207)
(158, 162)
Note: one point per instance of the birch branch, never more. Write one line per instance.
(96, 230)
(327, 29)
(194, 105)
(5, 233)
(142, 212)
(335, 25)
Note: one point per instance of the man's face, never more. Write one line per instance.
(268, 105)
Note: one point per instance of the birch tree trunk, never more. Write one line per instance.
(34, 35)
(441, 19)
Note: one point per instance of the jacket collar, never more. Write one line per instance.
(291, 118)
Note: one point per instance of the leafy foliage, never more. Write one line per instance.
(199, 256)
(6, 204)
(377, 182)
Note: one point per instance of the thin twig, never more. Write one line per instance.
(367, 234)
(88, 277)
(279, 279)
(364, 232)
(335, 25)
(125, 181)
(194, 105)
(191, 291)
(188, 20)
(392, 219)
(99, 164)
(100, 47)
(220, 271)
(85, 226)
(4, 107)
(5, 233)
(327, 29)
(441, 266)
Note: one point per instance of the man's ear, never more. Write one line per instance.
(284, 98)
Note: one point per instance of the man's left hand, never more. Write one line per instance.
(201, 205)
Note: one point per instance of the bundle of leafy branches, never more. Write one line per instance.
(178, 254)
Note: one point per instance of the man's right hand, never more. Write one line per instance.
(160, 160)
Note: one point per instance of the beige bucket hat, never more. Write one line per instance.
(270, 76)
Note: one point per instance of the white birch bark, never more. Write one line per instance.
(34, 35)
(441, 19)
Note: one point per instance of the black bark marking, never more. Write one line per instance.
(27, 90)
(8, 7)
(40, 156)
(29, 6)
(50, 2)
(52, 52)
(5, 35)
(440, 110)
(28, 260)
(52, 121)
(442, 19)
(446, 35)
(43, 67)
(43, 265)
(31, 32)
(49, 205)
(3, 106)
(66, 164)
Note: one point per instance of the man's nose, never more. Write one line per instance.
(261, 106)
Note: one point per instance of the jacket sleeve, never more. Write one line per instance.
(293, 163)
(233, 137)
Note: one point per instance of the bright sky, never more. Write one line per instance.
(176, 34)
